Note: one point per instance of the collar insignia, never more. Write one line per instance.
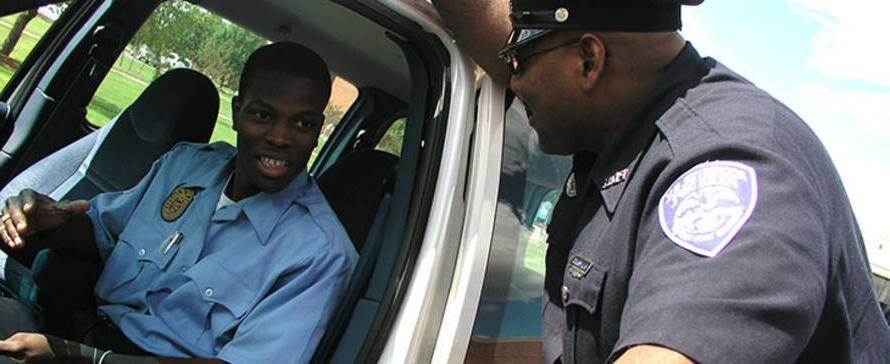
(616, 178)
(571, 186)
(175, 204)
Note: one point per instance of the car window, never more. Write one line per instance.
(180, 34)
(19, 34)
(392, 140)
(508, 322)
(343, 95)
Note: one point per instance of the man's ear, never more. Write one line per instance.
(236, 106)
(592, 52)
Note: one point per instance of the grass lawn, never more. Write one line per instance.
(116, 92)
(536, 251)
(5, 75)
(23, 47)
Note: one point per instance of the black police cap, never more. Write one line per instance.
(599, 15)
(533, 19)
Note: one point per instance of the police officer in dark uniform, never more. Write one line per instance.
(703, 220)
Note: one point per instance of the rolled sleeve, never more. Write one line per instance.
(286, 325)
(758, 300)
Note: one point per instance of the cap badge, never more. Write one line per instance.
(561, 15)
(705, 208)
(175, 204)
(571, 186)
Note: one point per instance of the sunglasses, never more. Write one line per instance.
(515, 61)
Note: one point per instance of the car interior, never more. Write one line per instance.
(381, 198)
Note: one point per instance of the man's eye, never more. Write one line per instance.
(261, 114)
(304, 124)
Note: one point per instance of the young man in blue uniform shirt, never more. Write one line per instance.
(703, 221)
(216, 253)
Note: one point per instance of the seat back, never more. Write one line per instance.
(358, 188)
(355, 186)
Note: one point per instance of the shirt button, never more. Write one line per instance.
(208, 292)
(565, 294)
(141, 252)
(183, 269)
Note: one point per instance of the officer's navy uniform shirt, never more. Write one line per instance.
(792, 284)
(252, 282)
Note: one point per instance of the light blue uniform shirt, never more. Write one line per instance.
(252, 282)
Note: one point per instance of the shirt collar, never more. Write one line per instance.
(210, 175)
(264, 210)
(616, 165)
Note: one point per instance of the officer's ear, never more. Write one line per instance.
(236, 107)
(592, 53)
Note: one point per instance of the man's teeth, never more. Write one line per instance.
(275, 163)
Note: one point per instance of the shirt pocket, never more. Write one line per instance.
(132, 257)
(582, 283)
(582, 296)
(121, 268)
(213, 299)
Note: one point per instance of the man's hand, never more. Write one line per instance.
(27, 347)
(30, 213)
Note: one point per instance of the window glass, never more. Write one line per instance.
(19, 34)
(392, 141)
(507, 328)
(180, 34)
(177, 34)
(343, 95)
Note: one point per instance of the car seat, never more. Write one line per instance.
(358, 187)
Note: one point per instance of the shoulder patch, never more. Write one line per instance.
(704, 209)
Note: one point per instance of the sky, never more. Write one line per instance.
(827, 60)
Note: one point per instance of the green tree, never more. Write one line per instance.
(223, 55)
(216, 47)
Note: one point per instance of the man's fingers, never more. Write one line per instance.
(8, 231)
(9, 225)
(16, 211)
(11, 348)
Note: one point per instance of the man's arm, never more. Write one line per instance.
(39, 348)
(481, 28)
(652, 354)
(62, 226)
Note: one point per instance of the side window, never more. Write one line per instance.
(508, 323)
(392, 140)
(343, 95)
(178, 34)
(19, 34)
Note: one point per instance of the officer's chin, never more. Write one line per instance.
(553, 147)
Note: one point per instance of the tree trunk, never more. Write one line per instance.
(16, 32)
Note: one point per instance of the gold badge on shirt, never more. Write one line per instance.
(176, 203)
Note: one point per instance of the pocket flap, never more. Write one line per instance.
(582, 283)
(148, 244)
(218, 285)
